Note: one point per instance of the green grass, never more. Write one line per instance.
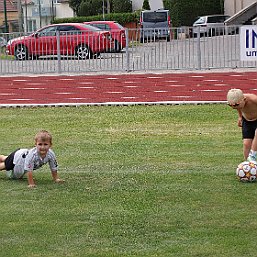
(4, 56)
(140, 181)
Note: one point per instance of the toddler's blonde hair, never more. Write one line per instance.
(43, 135)
(235, 96)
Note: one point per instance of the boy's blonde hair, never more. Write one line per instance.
(43, 135)
(235, 96)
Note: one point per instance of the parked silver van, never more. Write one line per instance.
(210, 25)
(154, 25)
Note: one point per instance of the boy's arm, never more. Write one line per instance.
(55, 177)
(239, 121)
(31, 182)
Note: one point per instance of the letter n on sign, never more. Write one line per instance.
(248, 43)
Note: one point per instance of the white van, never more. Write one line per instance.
(154, 25)
(210, 25)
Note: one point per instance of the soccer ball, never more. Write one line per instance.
(247, 171)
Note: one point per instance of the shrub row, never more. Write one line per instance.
(122, 18)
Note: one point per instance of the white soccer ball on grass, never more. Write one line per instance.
(246, 171)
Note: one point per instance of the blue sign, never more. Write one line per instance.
(248, 43)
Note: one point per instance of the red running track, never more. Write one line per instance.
(128, 89)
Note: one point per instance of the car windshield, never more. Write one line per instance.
(155, 17)
(90, 27)
(217, 19)
(201, 20)
(118, 25)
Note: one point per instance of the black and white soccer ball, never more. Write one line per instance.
(246, 171)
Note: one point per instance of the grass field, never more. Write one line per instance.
(140, 181)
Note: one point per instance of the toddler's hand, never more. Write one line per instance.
(58, 180)
(31, 186)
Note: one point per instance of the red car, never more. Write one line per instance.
(76, 39)
(117, 33)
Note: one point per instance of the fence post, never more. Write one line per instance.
(198, 42)
(58, 52)
(127, 50)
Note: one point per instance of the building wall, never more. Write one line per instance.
(154, 4)
(63, 10)
(233, 6)
(11, 16)
(33, 22)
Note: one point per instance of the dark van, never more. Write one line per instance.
(154, 25)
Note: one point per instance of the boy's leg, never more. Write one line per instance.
(253, 151)
(247, 143)
(2, 162)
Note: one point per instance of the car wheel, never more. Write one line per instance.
(117, 47)
(21, 53)
(83, 52)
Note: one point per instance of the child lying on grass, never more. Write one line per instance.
(24, 161)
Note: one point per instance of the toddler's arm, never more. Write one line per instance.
(31, 182)
(55, 177)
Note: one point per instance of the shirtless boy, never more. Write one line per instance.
(246, 106)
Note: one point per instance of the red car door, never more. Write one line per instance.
(45, 42)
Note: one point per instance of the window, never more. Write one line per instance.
(101, 26)
(49, 31)
(32, 25)
(217, 19)
(67, 28)
(155, 17)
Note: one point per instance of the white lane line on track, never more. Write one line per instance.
(33, 88)
(63, 93)
(20, 99)
(211, 90)
(131, 86)
(175, 85)
(182, 96)
(77, 98)
(130, 82)
(114, 104)
(86, 87)
(113, 92)
(86, 82)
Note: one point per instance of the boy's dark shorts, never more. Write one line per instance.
(9, 161)
(248, 128)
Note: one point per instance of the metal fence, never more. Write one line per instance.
(181, 52)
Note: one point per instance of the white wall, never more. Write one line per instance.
(63, 10)
(233, 6)
(154, 4)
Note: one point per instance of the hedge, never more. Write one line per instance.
(122, 18)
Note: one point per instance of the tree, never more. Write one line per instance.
(74, 5)
(185, 12)
(90, 8)
(95, 7)
(108, 6)
(123, 6)
(146, 5)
